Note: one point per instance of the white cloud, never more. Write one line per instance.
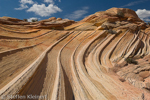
(23, 4)
(133, 3)
(49, 1)
(147, 19)
(44, 11)
(78, 13)
(26, 1)
(30, 19)
(143, 14)
(85, 8)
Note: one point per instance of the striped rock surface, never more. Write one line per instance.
(105, 56)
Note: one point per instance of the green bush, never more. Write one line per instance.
(111, 31)
(120, 14)
(131, 61)
(25, 20)
(34, 20)
(53, 28)
(104, 27)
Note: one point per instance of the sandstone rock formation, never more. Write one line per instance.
(105, 56)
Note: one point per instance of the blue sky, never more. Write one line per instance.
(71, 9)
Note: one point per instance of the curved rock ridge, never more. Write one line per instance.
(51, 23)
(111, 18)
(105, 56)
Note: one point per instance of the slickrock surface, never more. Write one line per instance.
(105, 56)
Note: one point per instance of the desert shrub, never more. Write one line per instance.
(104, 26)
(53, 28)
(34, 20)
(131, 61)
(120, 14)
(111, 31)
(25, 20)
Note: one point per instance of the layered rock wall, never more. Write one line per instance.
(105, 56)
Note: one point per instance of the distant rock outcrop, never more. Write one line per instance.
(51, 23)
(105, 56)
(114, 18)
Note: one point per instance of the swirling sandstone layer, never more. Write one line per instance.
(105, 56)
